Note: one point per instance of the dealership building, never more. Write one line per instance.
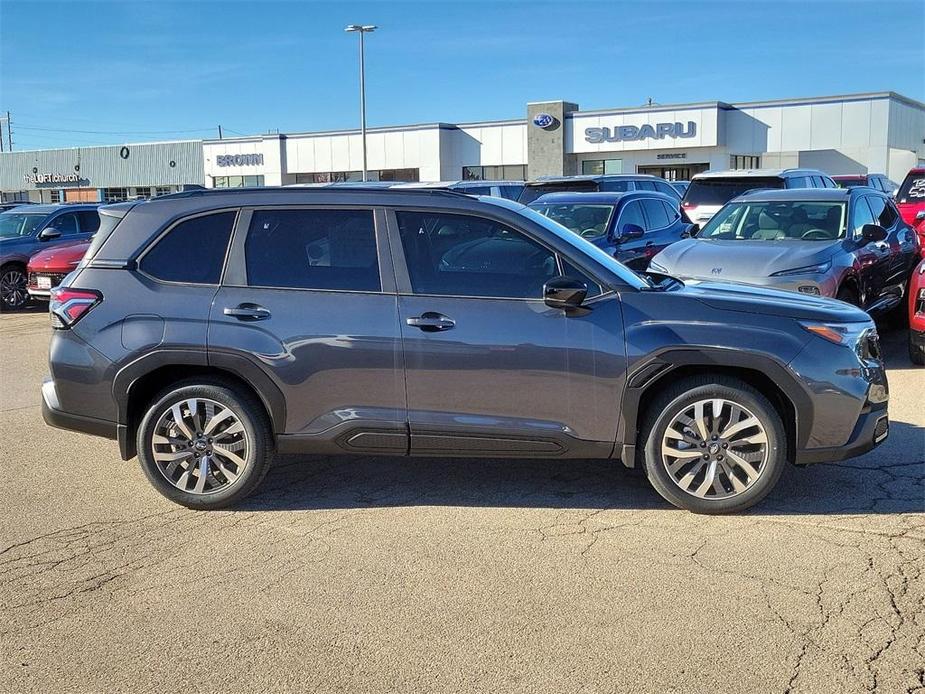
(856, 133)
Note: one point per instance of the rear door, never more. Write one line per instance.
(308, 298)
(490, 369)
(663, 226)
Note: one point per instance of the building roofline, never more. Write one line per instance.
(119, 145)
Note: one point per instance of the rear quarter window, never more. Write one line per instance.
(193, 251)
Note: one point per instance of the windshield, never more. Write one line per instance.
(777, 221)
(589, 221)
(13, 225)
(719, 191)
(583, 246)
(913, 188)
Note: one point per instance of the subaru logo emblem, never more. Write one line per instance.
(543, 120)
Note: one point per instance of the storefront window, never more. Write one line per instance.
(600, 167)
(162, 190)
(55, 196)
(506, 172)
(143, 192)
(237, 181)
(744, 161)
(115, 194)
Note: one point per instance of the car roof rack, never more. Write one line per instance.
(292, 190)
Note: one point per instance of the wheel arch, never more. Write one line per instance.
(135, 385)
(762, 373)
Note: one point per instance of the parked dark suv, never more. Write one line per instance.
(214, 328)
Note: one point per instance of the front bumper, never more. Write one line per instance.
(872, 429)
(917, 341)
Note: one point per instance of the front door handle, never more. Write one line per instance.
(247, 312)
(431, 322)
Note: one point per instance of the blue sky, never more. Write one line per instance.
(131, 71)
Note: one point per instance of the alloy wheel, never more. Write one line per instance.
(200, 446)
(13, 288)
(715, 449)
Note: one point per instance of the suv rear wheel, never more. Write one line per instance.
(713, 445)
(204, 445)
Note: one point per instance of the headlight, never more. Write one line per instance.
(862, 337)
(806, 270)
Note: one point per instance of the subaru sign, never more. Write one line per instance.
(544, 120)
(623, 133)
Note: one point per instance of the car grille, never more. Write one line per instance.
(56, 278)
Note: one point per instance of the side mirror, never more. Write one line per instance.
(691, 231)
(49, 233)
(564, 293)
(630, 231)
(920, 217)
(873, 232)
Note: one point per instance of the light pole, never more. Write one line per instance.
(362, 29)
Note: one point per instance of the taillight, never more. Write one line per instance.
(67, 306)
(687, 205)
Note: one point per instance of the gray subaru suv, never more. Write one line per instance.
(205, 331)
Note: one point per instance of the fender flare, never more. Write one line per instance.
(652, 371)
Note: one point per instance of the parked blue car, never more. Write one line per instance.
(28, 229)
(631, 226)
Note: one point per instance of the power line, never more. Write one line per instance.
(112, 132)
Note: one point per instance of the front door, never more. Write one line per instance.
(490, 368)
(308, 298)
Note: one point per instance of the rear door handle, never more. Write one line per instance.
(431, 322)
(247, 312)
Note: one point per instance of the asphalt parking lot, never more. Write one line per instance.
(384, 574)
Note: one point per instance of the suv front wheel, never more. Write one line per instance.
(713, 445)
(204, 445)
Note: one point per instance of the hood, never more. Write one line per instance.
(63, 256)
(743, 298)
(740, 261)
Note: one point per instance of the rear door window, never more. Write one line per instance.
(719, 191)
(312, 249)
(89, 222)
(193, 251)
(645, 185)
(656, 214)
(65, 223)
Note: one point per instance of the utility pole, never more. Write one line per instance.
(219, 132)
(9, 131)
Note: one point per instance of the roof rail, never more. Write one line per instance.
(291, 190)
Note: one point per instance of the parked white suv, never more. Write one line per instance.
(710, 190)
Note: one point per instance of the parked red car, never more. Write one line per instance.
(917, 315)
(911, 201)
(47, 268)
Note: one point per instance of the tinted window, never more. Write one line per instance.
(674, 214)
(193, 251)
(882, 211)
(570, 270)
(719, 191)
(312, 249)
(65, 223)
(89, 221)
(851, 182)
(862, 215)
(666, 188)
(471, 256)
(913, 188)
(645, 185)
(615, 186)
(799, 182)
(531, 193)
(656, 214)
(511, 192)
(631, 214)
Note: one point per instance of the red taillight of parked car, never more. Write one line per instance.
(67, 306)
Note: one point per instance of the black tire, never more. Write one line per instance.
(256, 434)
(13, 298)
(672, 402)
(916, 351)
(849, 296)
